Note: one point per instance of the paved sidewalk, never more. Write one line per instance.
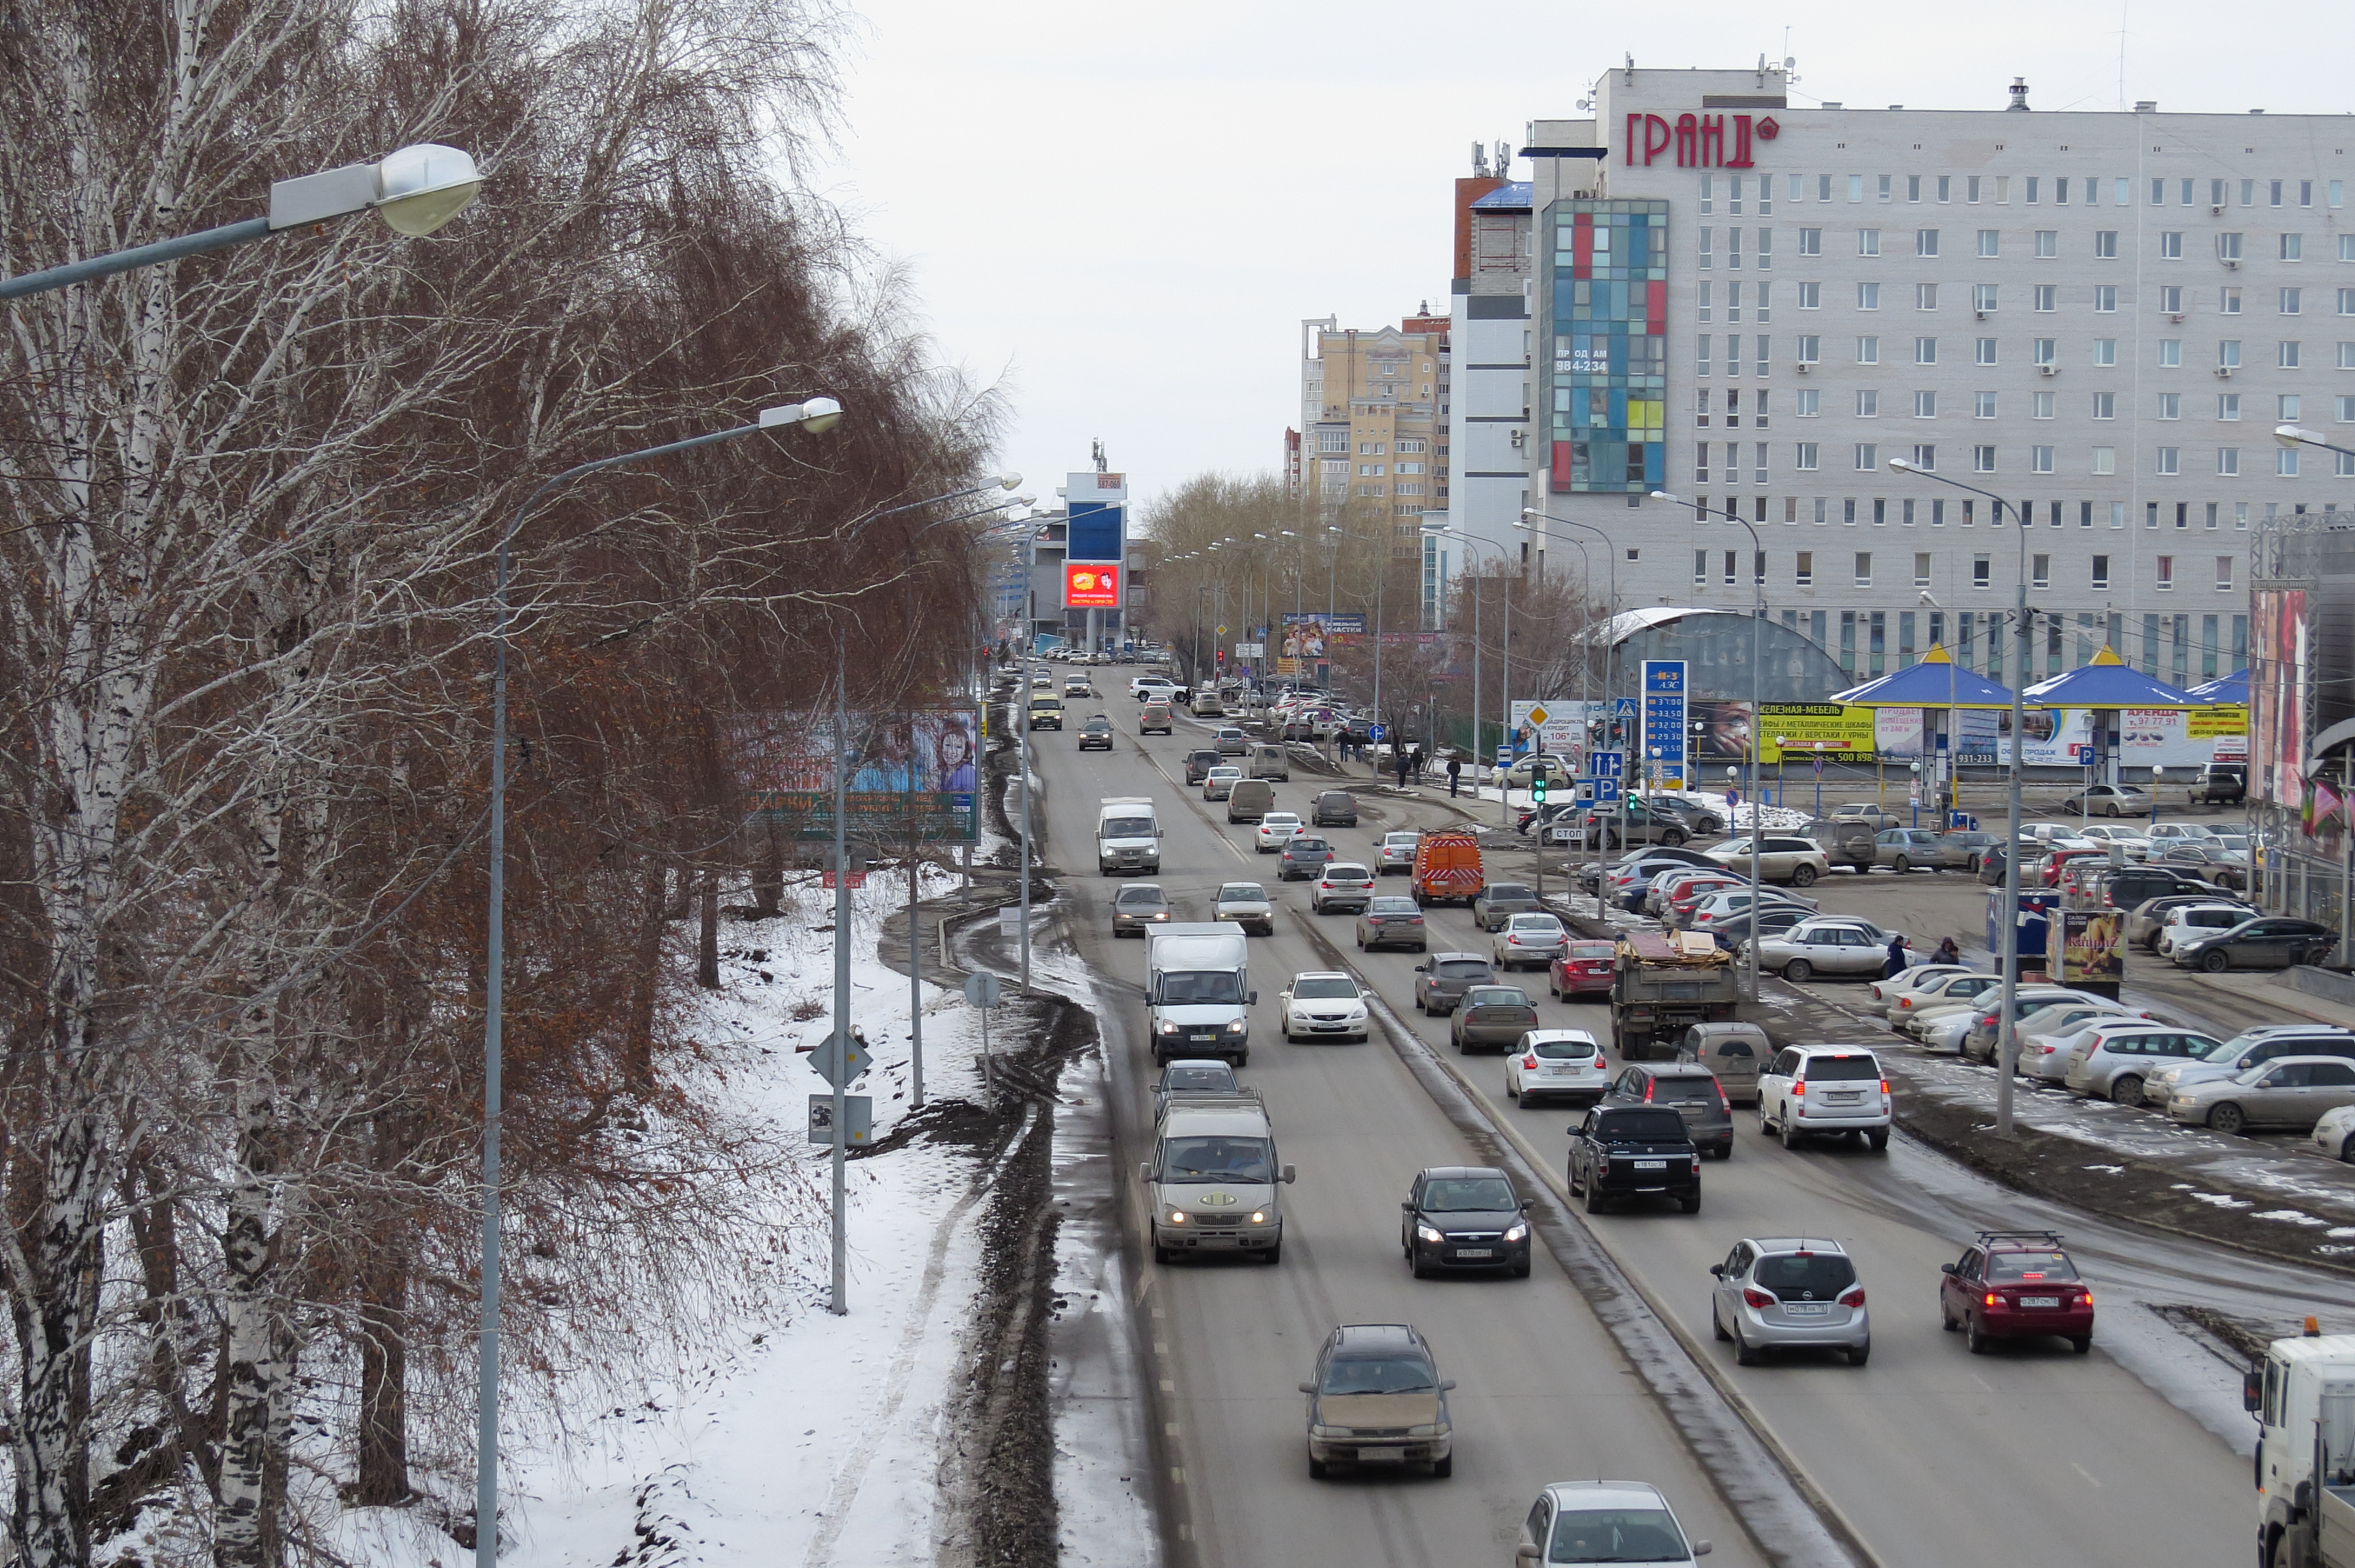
(2272, 992)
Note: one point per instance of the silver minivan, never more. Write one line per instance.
(1270, 762)
(1733, 1051)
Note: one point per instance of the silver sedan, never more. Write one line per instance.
(1825, 948)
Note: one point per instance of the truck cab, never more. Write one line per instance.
(1128, 835)
(1197, 991)
(2302, 1396)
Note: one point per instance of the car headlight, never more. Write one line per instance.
(1177, 1217)
(1428, 1429)
(1328, 1433)
(1424, 1233)
(1168, 1028)
(1259, 1216)
(1518, 1232)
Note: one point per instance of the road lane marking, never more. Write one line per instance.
(2084, 1472)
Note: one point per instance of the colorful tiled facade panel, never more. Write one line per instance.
(1607, 386)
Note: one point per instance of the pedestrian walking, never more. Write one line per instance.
(1897, 959)
(1400, 757)
(1455, 772)
(1414, 761)
(1947, 953)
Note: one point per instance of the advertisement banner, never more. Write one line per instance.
(1798, 732)
(1098, 514)
(2277, 659)
(911, 775)
(1558, 724)
(1897, 734)
(1307, 637)
(2084, 947)
(1090, 586)
(1664, 717)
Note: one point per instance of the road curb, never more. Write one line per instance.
(1791, 1521)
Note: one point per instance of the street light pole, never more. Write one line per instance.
(416, 190)
(2008, 1021)
(1610, 647)
(817, 416)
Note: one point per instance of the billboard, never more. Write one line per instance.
(1798, 732)
(2278, 658)
(2084, 947)
(1087, 586)
(1664, 717)
(1308, 637)
(909, 775)
(1097, 507)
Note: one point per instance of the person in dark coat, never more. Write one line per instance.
(1455, 772)
(1415, 761)
(1947, 953)
(1402, 766)
(1897, 960)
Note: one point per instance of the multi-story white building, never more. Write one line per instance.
(2097, 317)
(1490, 435)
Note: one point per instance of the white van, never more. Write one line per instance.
(1197, 989)
(1128, 835)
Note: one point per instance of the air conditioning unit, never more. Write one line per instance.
(2233, 266)
(2177, 318)
(2215, 212)
(2224, 371)
(1805, 366)
(2048, 370)
(1978, 315)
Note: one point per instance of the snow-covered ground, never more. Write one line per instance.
(815, 1440)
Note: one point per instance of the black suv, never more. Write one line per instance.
(1633, 1152)
(1332, 809)
(2221, 784)
(1463, 1216)
(2126, 886)
(1096, 733)
(1687, 1088)
(1200, 763)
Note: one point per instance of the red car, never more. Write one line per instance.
(2050, 869)
(1583, 969)
(2016, 1285)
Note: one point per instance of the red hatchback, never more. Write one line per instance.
(1583, 969)
(2016, 1285)
(2059, 861)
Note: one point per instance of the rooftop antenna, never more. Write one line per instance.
(2123, 6)
(1479, 160)
(1631, 71)
(1504, 160)
(1095, 450)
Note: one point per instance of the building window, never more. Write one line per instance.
(2105, 351)
(1921, 568)
(1868, 456)
(2040, 460)
(2291, 300)
(2170, 461)
(1983, 296)
(1811, 296)
(2285, 356)
(2293, 247)
(2047, 240)
(1730, 559)
(2044, 350)
(2166, 574)
(2227, 353)
(1926, 405)
(1984, 352)
(2171, 246)
(1925, 350)
(2228, 461)
(2228, 248)
(1811, 242)
(2227, 404)
(1868, 351)
(2170, 405)
(1868, 296)
(2046, 297)
(1864, 568)
(2286, 462)
(1987, 237)
(1701, 568)
(2105, 460)
(1867, 242)
(1810, 403)
(1811, 349)
(1980, 570)
(1925, 242)
(2170, 352)
(2105, 241)
(1867, 405)
(2039, 571)
(2106, 405)
(2228, 301)
(1805, 572)
(1925, 296)
(1804, 457)
(1982, 405)
(2170, 299)
(2105, 296)
(2101, 572)
(1982, 459)
(1925, 457)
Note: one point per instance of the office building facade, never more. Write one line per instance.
(1373, 431)
(2097, 318)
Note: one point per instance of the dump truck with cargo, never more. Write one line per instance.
(1664, 982)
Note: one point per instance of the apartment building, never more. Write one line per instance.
(1488, 420)
(2094, 320)
(1373, 421)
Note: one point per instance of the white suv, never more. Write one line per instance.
(1809, 1089)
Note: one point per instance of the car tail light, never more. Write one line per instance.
(1992, 1299)
(1530, 1062)
(1852, 1297)
(1723, 1103)
(1884, 1086)
(2084, 1298)
(1800, 1087)
(1648, 1088)
(1753, 1297)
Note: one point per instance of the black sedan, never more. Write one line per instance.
(1096, 732)
(2274, 942)
(1463, 1216)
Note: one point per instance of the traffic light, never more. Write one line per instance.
(1538, 787)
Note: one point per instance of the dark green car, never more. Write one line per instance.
(1492, 1016)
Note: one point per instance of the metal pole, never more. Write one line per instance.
(162, 251)
(486, 1395)
(1381, 572)
(2006, 1024)
(1022, 758)
(840, 1301)
(915, 988)
(1503, 805)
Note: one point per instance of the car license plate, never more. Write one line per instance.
(1475, 1251)
(1202, 1039)
(1846, 1099)
(1377, 1456)
(1806, 1308)
(1651, 1165)
(2039, 1301)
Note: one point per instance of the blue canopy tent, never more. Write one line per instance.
(1936, 683)
(2109, 682)
(2232, 689)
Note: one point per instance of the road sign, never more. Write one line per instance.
(857, 1116)
(838, 1066)
(1376, 732)
(1504, 756)
(1606, 790)
(1624, 707)
(857, 878)
(981, 990)
(1607, 764)
(1223, 632)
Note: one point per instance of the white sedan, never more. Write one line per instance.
(2137, 848)
(1882, 995)
(1275, 830)
(1530, 940)
(1556, 1061)
(2334, 1135)
(1322, 1004)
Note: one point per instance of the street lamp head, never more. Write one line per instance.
(420, 188)
(1010, 481)
(1662, 496)
(817, 415)
(2291, 436)
(1522, 522)
(1900, 465)
(1026, 500)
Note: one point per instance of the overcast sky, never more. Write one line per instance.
(1121, 213)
